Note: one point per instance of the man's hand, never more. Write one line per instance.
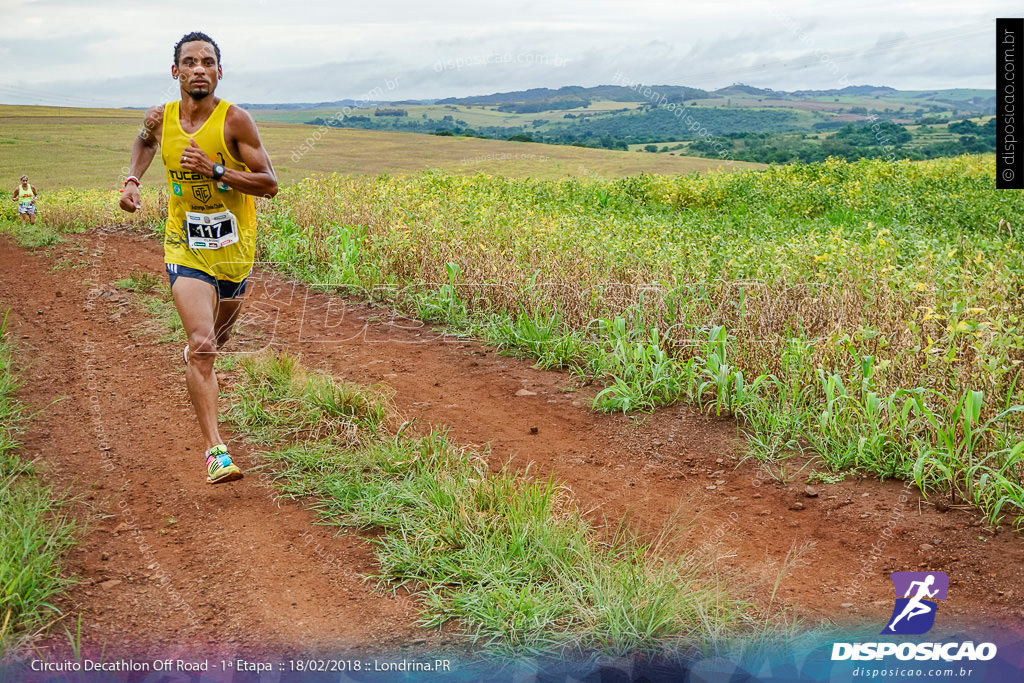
(130, 198)
(143, 150)
(194, 159)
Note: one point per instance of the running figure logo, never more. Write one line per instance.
(914, 613)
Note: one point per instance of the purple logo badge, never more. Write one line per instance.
(917, 593)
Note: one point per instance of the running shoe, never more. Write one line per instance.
(184, 354)
(219, 467)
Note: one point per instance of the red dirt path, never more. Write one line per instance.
(170, 563)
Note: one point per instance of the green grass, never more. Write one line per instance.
(507, 556)
(29, 235)
(226, 362)
(841, 309)
(65, 263)
(35, 527)
(167, 323)
(762, 294)
(281, 400)
(140, 281)
(154, 297)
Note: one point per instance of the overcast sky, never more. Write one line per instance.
(100, 53)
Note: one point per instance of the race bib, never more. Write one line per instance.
(211, 230)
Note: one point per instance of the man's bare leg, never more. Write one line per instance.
(227, 314)
(196, 302)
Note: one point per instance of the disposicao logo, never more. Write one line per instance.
(914, 614)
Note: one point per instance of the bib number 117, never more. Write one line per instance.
(211, 230)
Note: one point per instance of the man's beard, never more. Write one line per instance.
(198, 94)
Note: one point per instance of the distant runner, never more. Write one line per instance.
(26, 196)
(215, 165)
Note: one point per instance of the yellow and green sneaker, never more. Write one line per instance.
(219, 467)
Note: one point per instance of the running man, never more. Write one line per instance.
(915, 607)
(26, 196)
(215, 165)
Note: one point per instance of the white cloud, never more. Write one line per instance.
(119, 53)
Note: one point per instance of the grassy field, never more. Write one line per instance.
(866, 313)
(34, 529)
(907, 102)
(474, 115)
(60, 147)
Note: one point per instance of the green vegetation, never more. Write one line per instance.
(849, 310)
(510, 558)
(28, 235)
(140, 282)
(738, 122)
(35, 529)
(611, 130)
(877, 140)
(71, 210)
(153, 296)
(86, 149)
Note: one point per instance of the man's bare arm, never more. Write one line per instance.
(143, 151)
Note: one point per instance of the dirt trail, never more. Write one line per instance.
(169, 561)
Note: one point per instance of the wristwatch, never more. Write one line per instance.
(218, 171)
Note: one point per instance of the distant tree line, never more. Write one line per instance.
(851, 142)
(534, 107)
(766, 136)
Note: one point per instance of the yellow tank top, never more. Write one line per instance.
(192, 192)
(25, 194)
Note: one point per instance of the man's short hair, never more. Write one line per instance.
(192, 37)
